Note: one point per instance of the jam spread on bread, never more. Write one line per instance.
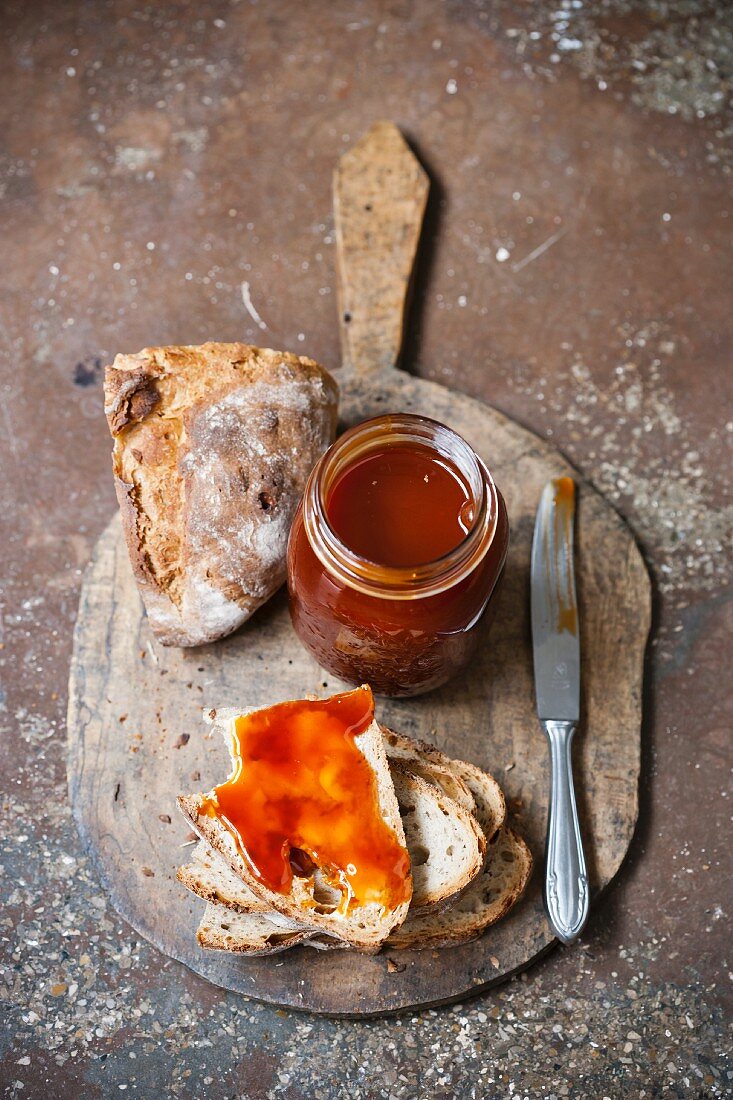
(403, 505)
(303, 798)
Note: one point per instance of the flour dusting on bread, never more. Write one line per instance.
(213, 446)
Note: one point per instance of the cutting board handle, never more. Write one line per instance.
(379, 194)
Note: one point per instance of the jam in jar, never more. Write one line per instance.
(394, 554)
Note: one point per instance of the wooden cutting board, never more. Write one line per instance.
(135, 734)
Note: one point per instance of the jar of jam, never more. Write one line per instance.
(394, 553)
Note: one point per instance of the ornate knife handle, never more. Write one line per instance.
(566, 879)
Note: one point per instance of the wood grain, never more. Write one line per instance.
(379, 195)
(133, 704)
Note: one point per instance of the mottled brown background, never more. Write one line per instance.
(576, 273)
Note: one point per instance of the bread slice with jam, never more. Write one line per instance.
(308, 820)
(444, 841)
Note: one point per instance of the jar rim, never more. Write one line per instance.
(400, 582)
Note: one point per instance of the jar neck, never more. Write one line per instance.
(399, 582)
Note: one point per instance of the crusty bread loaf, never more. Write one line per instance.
(311, 902)
(212, 449)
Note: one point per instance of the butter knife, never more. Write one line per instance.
(556, 647)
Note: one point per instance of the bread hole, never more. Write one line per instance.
(225, 927)
(347, 318)
(325, 896)
(278, 938)
(419, 855)
(368, 206)
(507, 857)
(301, 863)
(267, 502)
(449, 850)
(405, 810)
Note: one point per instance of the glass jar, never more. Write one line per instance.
(404, 629)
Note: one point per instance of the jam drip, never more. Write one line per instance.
(302, 800)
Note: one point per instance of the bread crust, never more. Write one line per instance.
(212, 448)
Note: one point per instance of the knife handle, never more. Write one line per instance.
(566, 878)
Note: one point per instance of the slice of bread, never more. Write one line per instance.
(221, 929)
(486, 794)
(434, 773)
(311, 902)
(209, 876)
(495, 890)
(213, 446)
(445, 842)
(489, 898)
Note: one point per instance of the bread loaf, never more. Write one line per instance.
(212, 449)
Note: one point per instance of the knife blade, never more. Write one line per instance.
(555, 641)
(556, 651)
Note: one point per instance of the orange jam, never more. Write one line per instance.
(302, 795)
(403, 505)
(395, 553)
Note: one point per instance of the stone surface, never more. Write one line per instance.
(166, 173)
